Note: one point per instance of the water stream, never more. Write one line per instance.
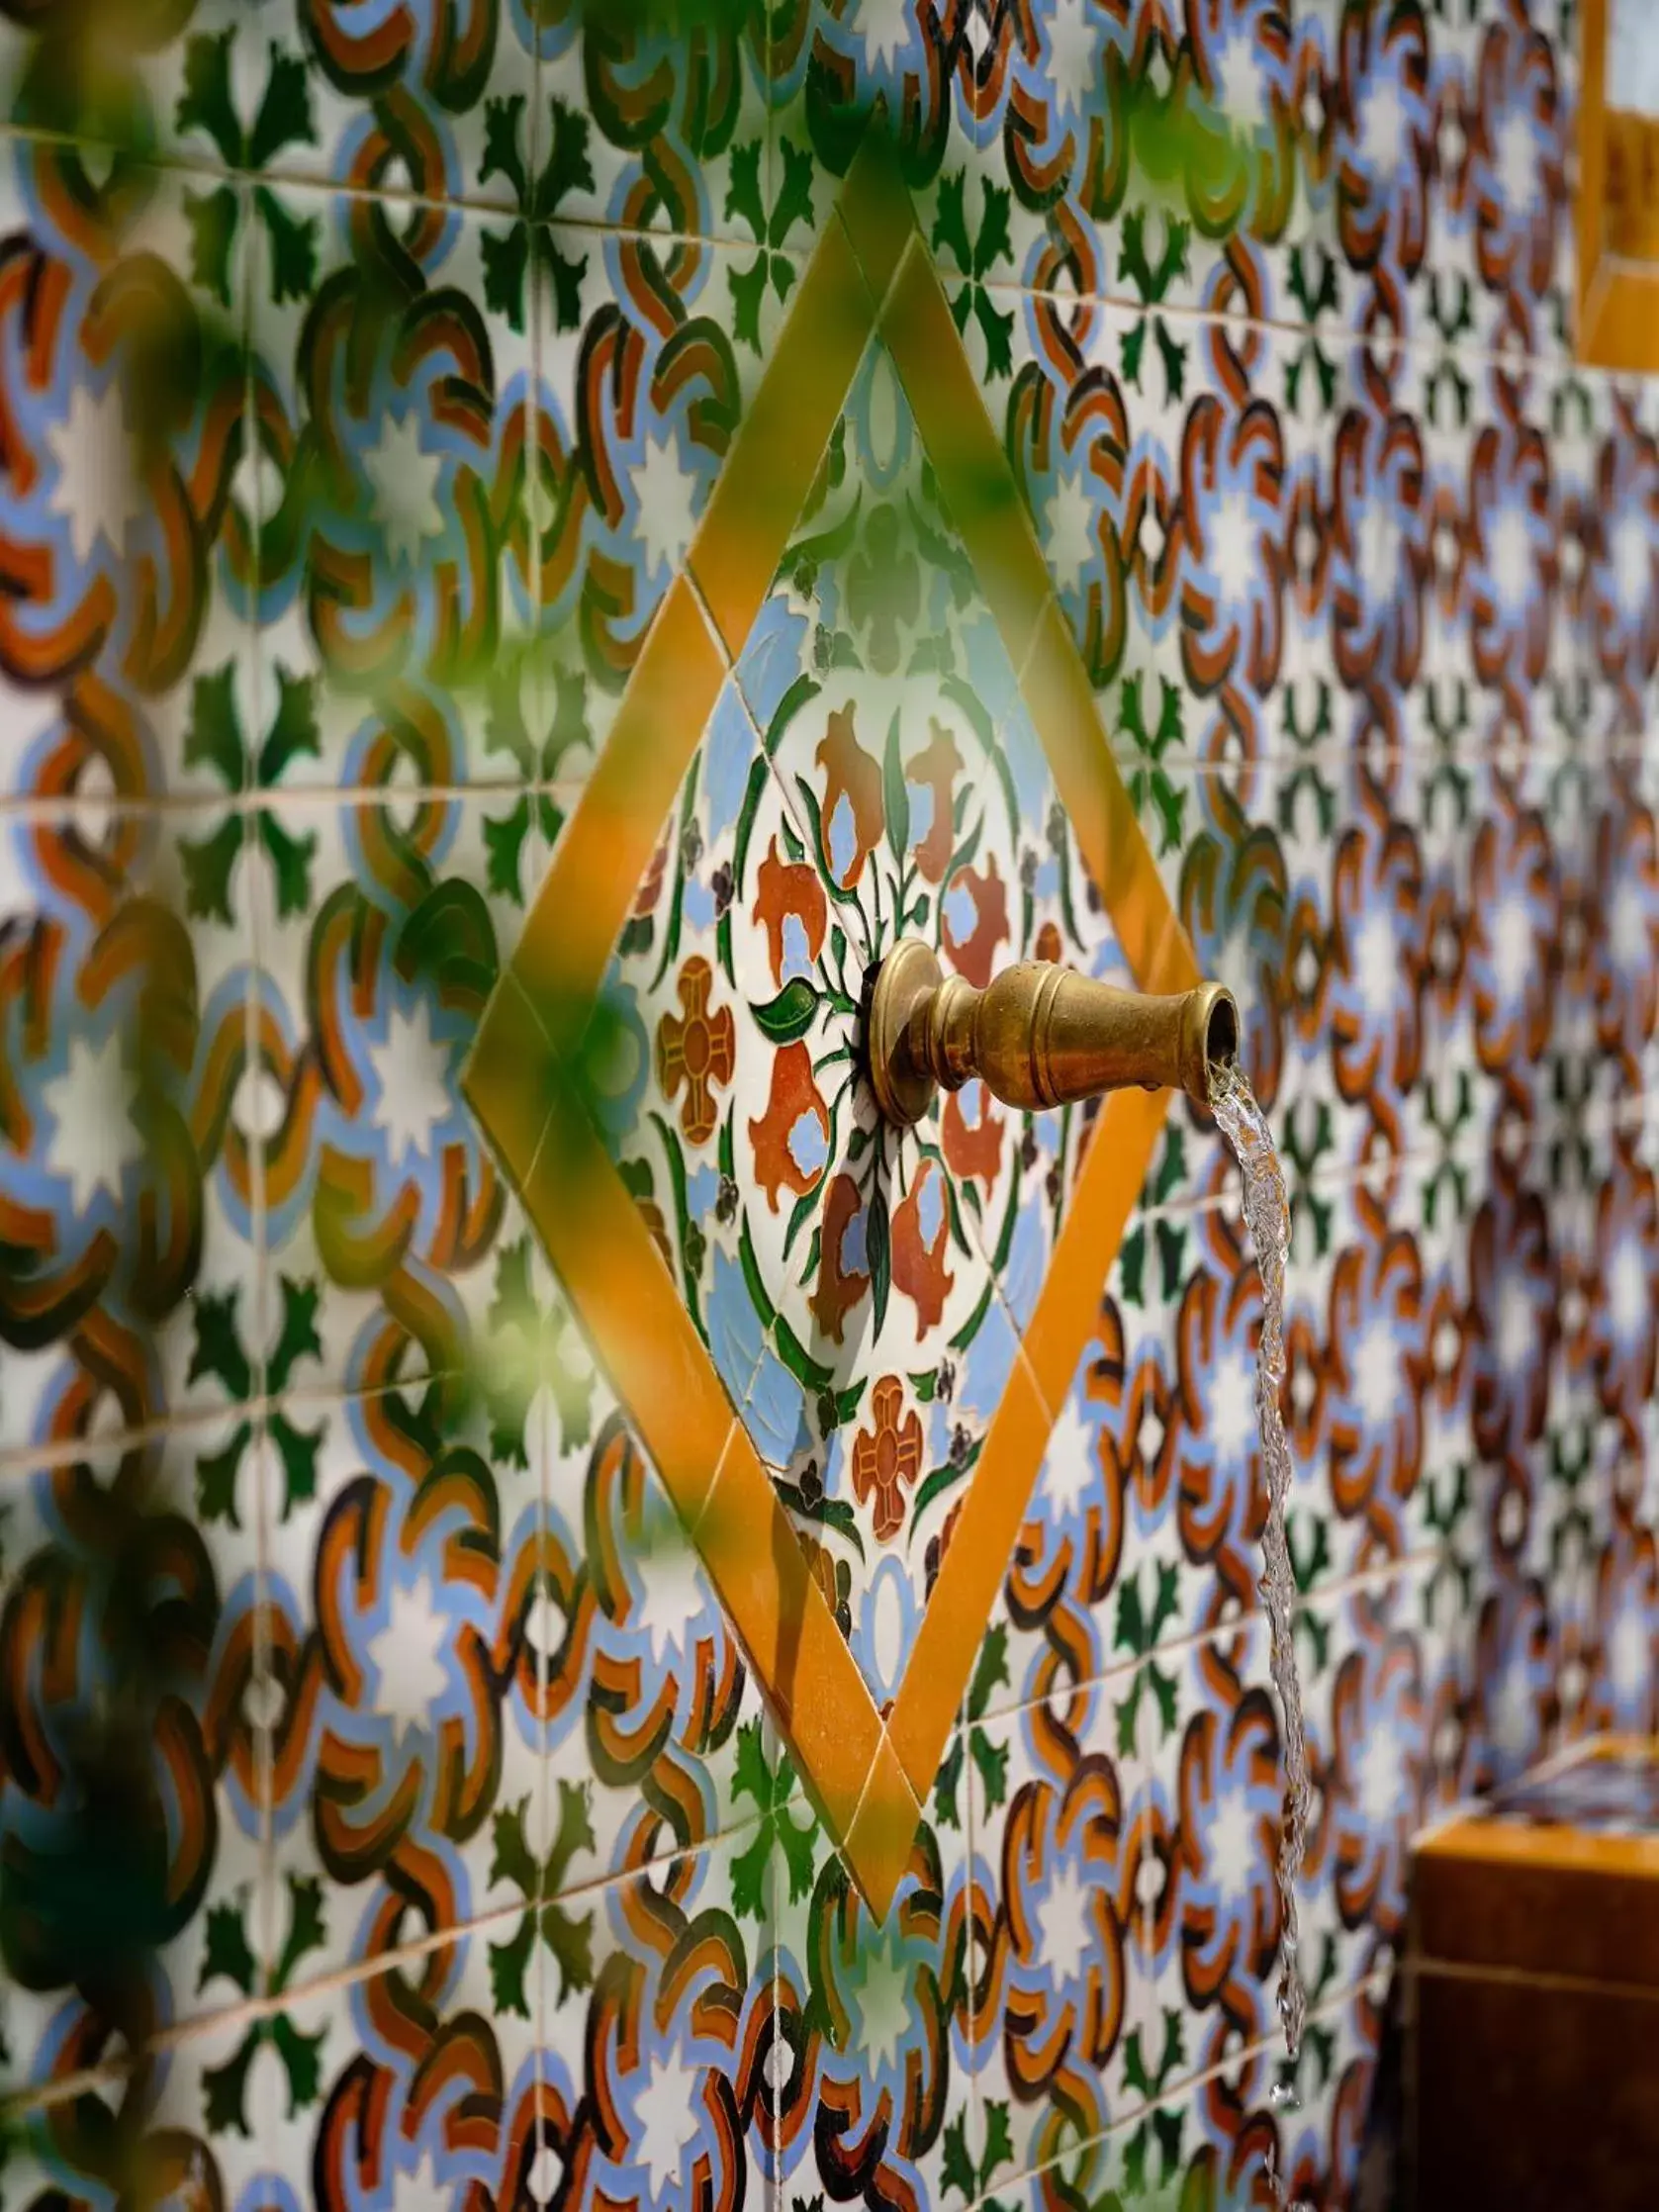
(1267, 1217)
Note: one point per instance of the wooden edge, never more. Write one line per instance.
(1587, 211)
(819, 1699)
(941, 1661)
(1545, 1843)
(606, 846)
(619, 1286)
(981, 491)
(1114, 1166)
(763, 485)
(1620, 328)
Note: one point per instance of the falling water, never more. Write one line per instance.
(1244, 1126)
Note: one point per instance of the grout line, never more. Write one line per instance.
(1561, 364)
(1322, 1596)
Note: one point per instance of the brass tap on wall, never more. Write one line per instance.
(1038, 1035)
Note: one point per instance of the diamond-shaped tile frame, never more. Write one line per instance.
(869, 273)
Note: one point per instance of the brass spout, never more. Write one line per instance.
(1038, 1035)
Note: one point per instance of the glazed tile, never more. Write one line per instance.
(379, 936)
(127, 546)
(395, 586)
(151, 1714)
(130, 1171)
(1059, 2010)
(872, 2020)
(414, 1581)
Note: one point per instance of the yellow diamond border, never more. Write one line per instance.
(869, 272)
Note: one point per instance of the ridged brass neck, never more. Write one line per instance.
(1038, 1035)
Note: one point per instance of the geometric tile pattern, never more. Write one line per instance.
(824, 1368)
(470, 1850)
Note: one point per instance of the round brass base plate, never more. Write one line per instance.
(907, 977)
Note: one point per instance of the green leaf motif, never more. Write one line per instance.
(297, 1448)
(502, 156)
(567, 272)
(748, 290)
(215, 1480)
(503, 844)
(790, 1014)
(880, 1255)
(224, 2088)
(206, 104)
(293, 247)
(957, 2169)
(567, 168)
(1131, 348)
(991, 1671)
(996, 328)
(219, 1348)
(576, 1832)
(298, 1337)
(306, 1931)
(290, 858)
(794, 194)
(508, 1962)
(507, 256)
(284, 117)
(212, 217)
(209, 863)
(301, 2061)
(226, 1951)
(744, 203)
(571, 1941)
(512, 1860)
(999, 2140)
(895, 794)
(991, 1760)
(294, 730)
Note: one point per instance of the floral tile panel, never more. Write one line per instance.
(869, 773)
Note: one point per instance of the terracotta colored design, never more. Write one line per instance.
(868, 1335)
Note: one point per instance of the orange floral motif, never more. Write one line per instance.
(972, 1148)
(887, 1458)
(839, 1289)
(974, 953)
(789, 890)
(698, 1051)
(852, 776)
(1048, 946)
(794, 1098)
(934, 770)
(921, 1236)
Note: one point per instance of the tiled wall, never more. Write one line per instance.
(364, 372)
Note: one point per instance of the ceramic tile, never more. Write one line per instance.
(1058, 2018)
(174, 2123)
(1357, 564)
(413, 2079)
(127, 546)
(130, 1615)
(130, 1176)
(380, 928)
(414, 1612)
(873, 2082)
(416, 105)
(396, 582)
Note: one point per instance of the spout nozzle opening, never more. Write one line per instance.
(1221, 1034)
(1210, 1031)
